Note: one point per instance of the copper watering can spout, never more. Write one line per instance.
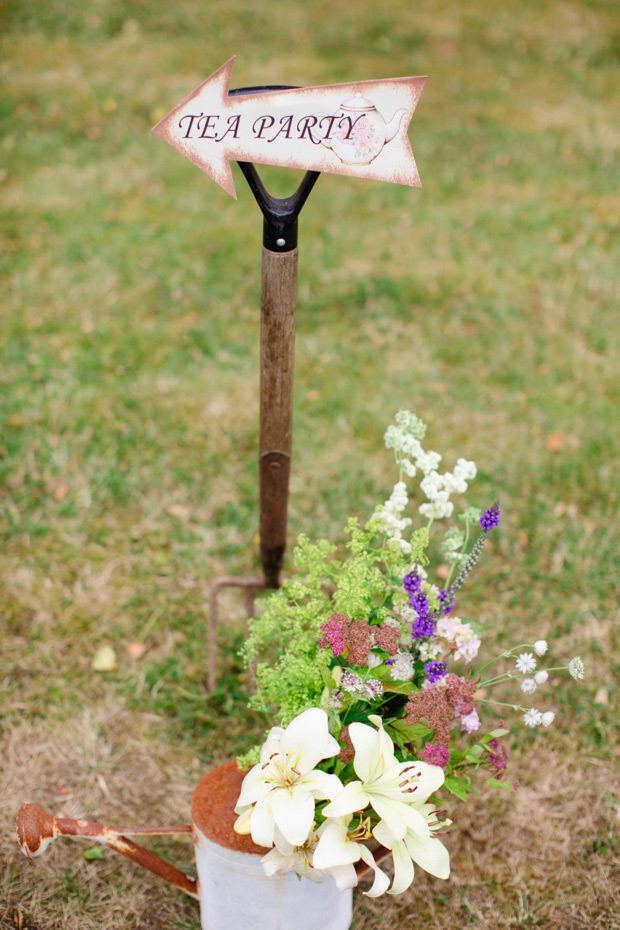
(36, 829)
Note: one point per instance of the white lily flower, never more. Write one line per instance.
(283, 786)
(425, 850)
(284, 857)
(385, 783)
(338, 849)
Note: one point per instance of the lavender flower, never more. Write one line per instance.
(423, 626)
(490, 517)
(436, 670)
(411, 583)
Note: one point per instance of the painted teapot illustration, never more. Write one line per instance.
(359, 132)
(231, 886)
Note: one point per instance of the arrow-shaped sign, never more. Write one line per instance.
(354, 129)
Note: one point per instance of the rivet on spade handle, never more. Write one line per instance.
(36, 829)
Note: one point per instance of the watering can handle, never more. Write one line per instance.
(36, 829)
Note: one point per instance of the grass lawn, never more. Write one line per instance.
(487, 302)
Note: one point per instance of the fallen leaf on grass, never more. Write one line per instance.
(104, 660)
(602, 696)
(558, 440)
(555, 441)
(179, 510)
(135, 650)
(61, 492)
(94, 852)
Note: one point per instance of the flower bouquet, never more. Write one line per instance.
(367, 666)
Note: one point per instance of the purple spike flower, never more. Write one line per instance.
(490, 517)
(436, 670)
(423, 626)
(412, 583)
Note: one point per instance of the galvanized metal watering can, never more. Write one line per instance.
(231, 886)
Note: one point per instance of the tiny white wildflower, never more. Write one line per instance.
(528, 686)
(547, 718)
(408, 614)
(439, 510)
(392, 621)
(532, 717)
(402, 669)
(540, 647)
(351, 682)
(429, 651)
(427, 461)
(465, 469)
(372, 689)
(525, 663)
(576, 667)
(541, 677)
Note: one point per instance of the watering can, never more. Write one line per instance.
(360, 132)
(233, 891)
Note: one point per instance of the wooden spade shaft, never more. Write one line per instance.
(277, 353)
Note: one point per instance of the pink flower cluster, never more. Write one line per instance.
(449, 698)
(332, 634)
(435, 755)
(459, 637)
(356, 638)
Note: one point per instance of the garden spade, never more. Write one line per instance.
(277, 352)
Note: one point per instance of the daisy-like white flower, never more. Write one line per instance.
(282, 788)
(548, 718)
(526, 663)
(532, 717)
(372, 689)
(528, 685)
(338, 849)
(576, 668)
(540, 647)
(541, 677)
(424, 849)
(351, 682)
(389, 786)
